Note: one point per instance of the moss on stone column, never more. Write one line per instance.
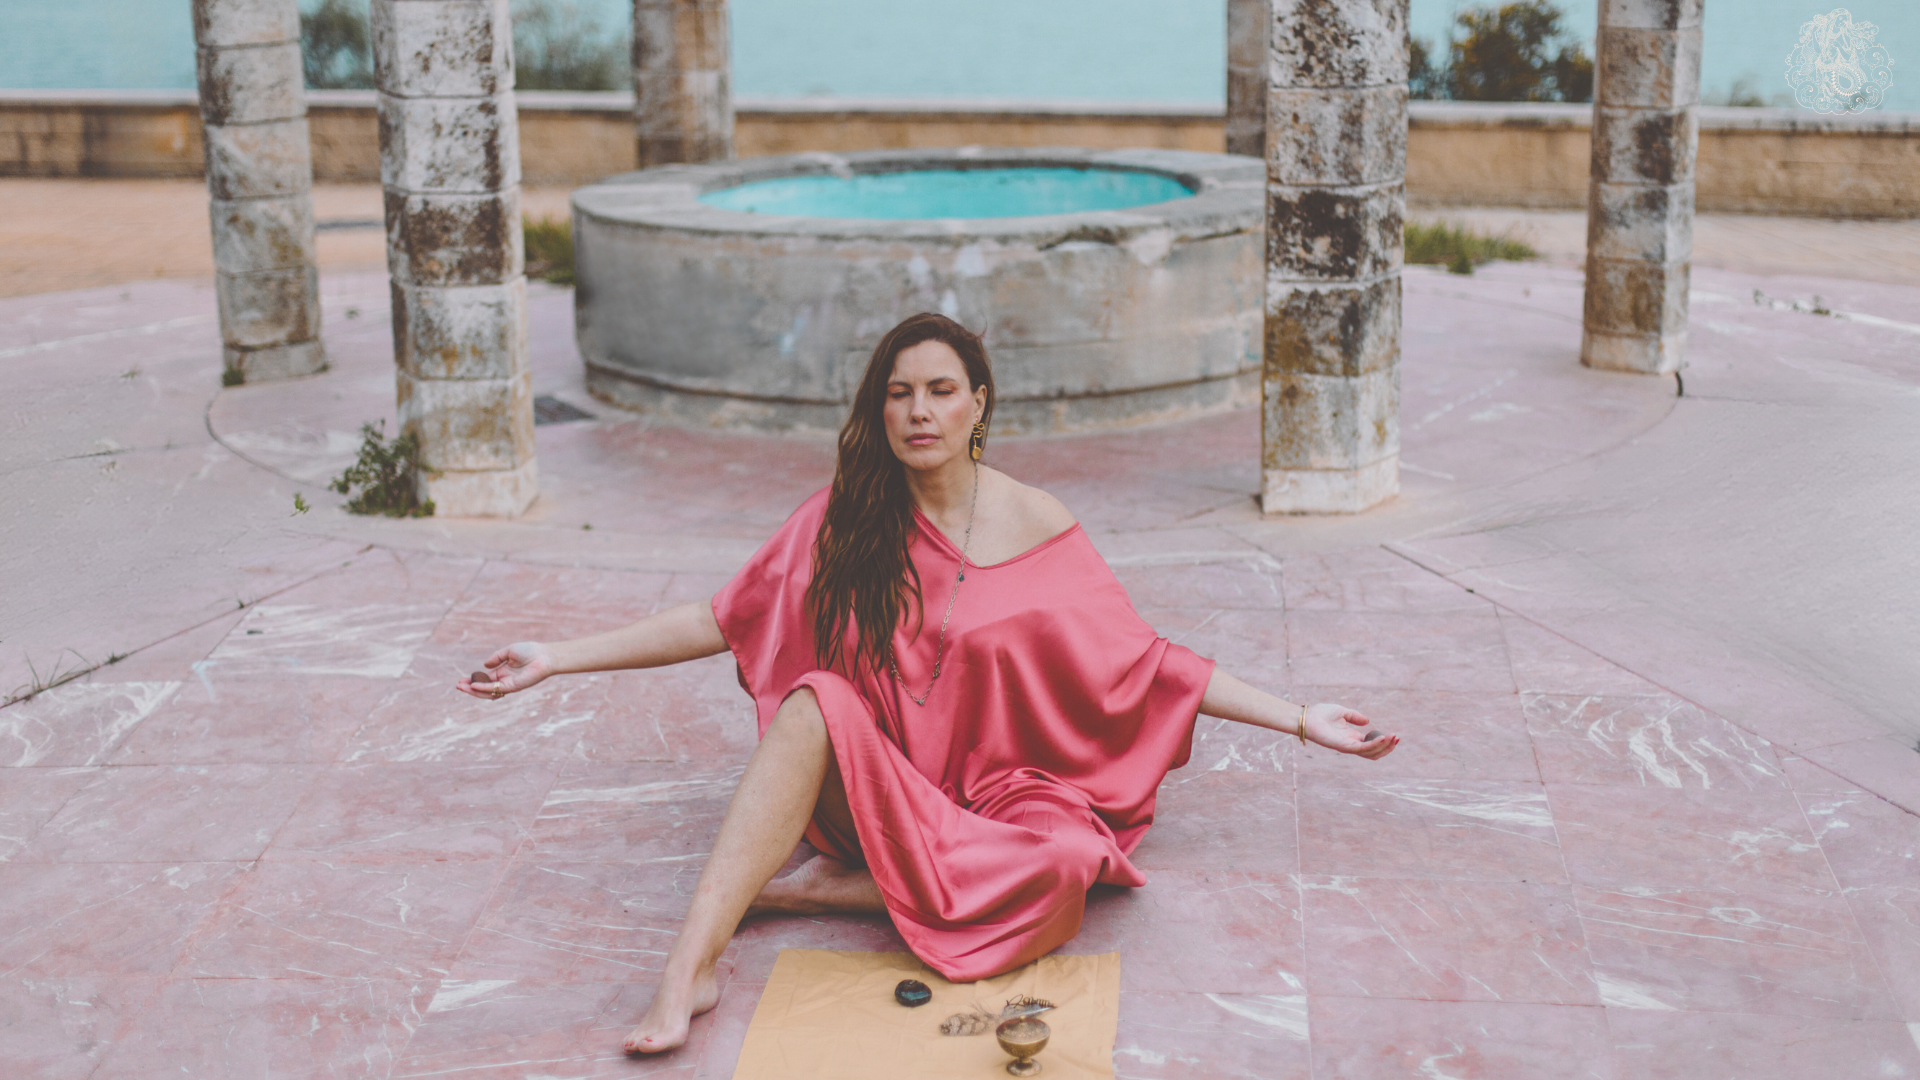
(260, 179)
(450, 166)
(1336, 152)
(1640, 196)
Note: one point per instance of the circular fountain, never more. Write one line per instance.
(1113, 287)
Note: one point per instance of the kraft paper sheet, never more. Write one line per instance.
(831, 1016)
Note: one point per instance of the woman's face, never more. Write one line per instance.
(930, 411)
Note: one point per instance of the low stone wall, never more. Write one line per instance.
(1764, 161)
(1753, 161)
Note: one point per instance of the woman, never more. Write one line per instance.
(973, 770)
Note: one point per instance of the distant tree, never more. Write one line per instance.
(1426, 80)
(559, 45)
(1513, 52)
(334, 49)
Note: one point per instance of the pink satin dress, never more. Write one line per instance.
(1030, 773)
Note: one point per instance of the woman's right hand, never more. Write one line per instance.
(517, 667)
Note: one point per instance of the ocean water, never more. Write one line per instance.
(949, 193)
(1168, 51)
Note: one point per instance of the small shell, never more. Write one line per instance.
(973, 1023)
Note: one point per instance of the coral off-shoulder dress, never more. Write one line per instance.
(1029, 774)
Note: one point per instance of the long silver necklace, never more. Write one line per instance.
(940, 649)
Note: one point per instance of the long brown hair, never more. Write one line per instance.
(862, 576)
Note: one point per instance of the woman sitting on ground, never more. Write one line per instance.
(975, 768)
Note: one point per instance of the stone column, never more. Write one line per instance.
(253, 105)
(450, 164)
(1640, 199)
(1336, 154)
(1247, 23)
(682, 101)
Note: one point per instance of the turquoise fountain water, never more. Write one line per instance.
(951, 193)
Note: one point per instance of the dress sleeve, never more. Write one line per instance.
(762, 611)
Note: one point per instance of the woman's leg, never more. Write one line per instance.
(763, 825)
(823, 883)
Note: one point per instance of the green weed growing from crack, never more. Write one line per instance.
(387, 475)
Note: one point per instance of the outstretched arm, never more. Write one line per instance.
(1332, 726)
(687, 632)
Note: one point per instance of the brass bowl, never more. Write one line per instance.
(1023, 1037)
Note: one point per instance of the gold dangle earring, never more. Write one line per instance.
(979, 440)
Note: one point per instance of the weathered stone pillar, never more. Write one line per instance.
(450, 163)
(1247, 23)
(1336, 167)
(1640, 202)
(253, 105)
(683, 104)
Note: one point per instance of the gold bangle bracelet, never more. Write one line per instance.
(1302, 732)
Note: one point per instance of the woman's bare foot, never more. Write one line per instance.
(822, 884)
(675, 1004)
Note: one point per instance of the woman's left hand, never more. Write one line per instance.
(1340, 728)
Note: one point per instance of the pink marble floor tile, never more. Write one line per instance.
(1388, 1039)
(1226, 745)
(1470, 830)
(398, 813)
(390, 575)
(1619, 836)
(273, 720)
(727, 1029)
(579, 922)
(662, 814)
(215, 1028)
(171, 658)
(512, 601)
(343, 921)
(693, 712)
(1218, 932)
(80, 723)
(1867, 840)
(505, 1029)
(29, 797)
(1736, 1046)
(1371, 579)
(1169, 1036)
(427, 720)
(60, 1028)
(1657, 742)
(172, 813)
(692, 588)
(104, 919)
(1250, 582)
(1889, 919)
(1545, 662)
(1249, 643)
(1457, 650)
(326, 636)
(1444, 735)
(1223, 819)
(1445, 941)
(1777, 950)
(1889, 767)
(1810, 779)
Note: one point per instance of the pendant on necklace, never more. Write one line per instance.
(963, 576)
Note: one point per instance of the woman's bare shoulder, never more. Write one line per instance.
(1038, 512)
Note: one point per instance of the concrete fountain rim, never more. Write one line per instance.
(1227, 197)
